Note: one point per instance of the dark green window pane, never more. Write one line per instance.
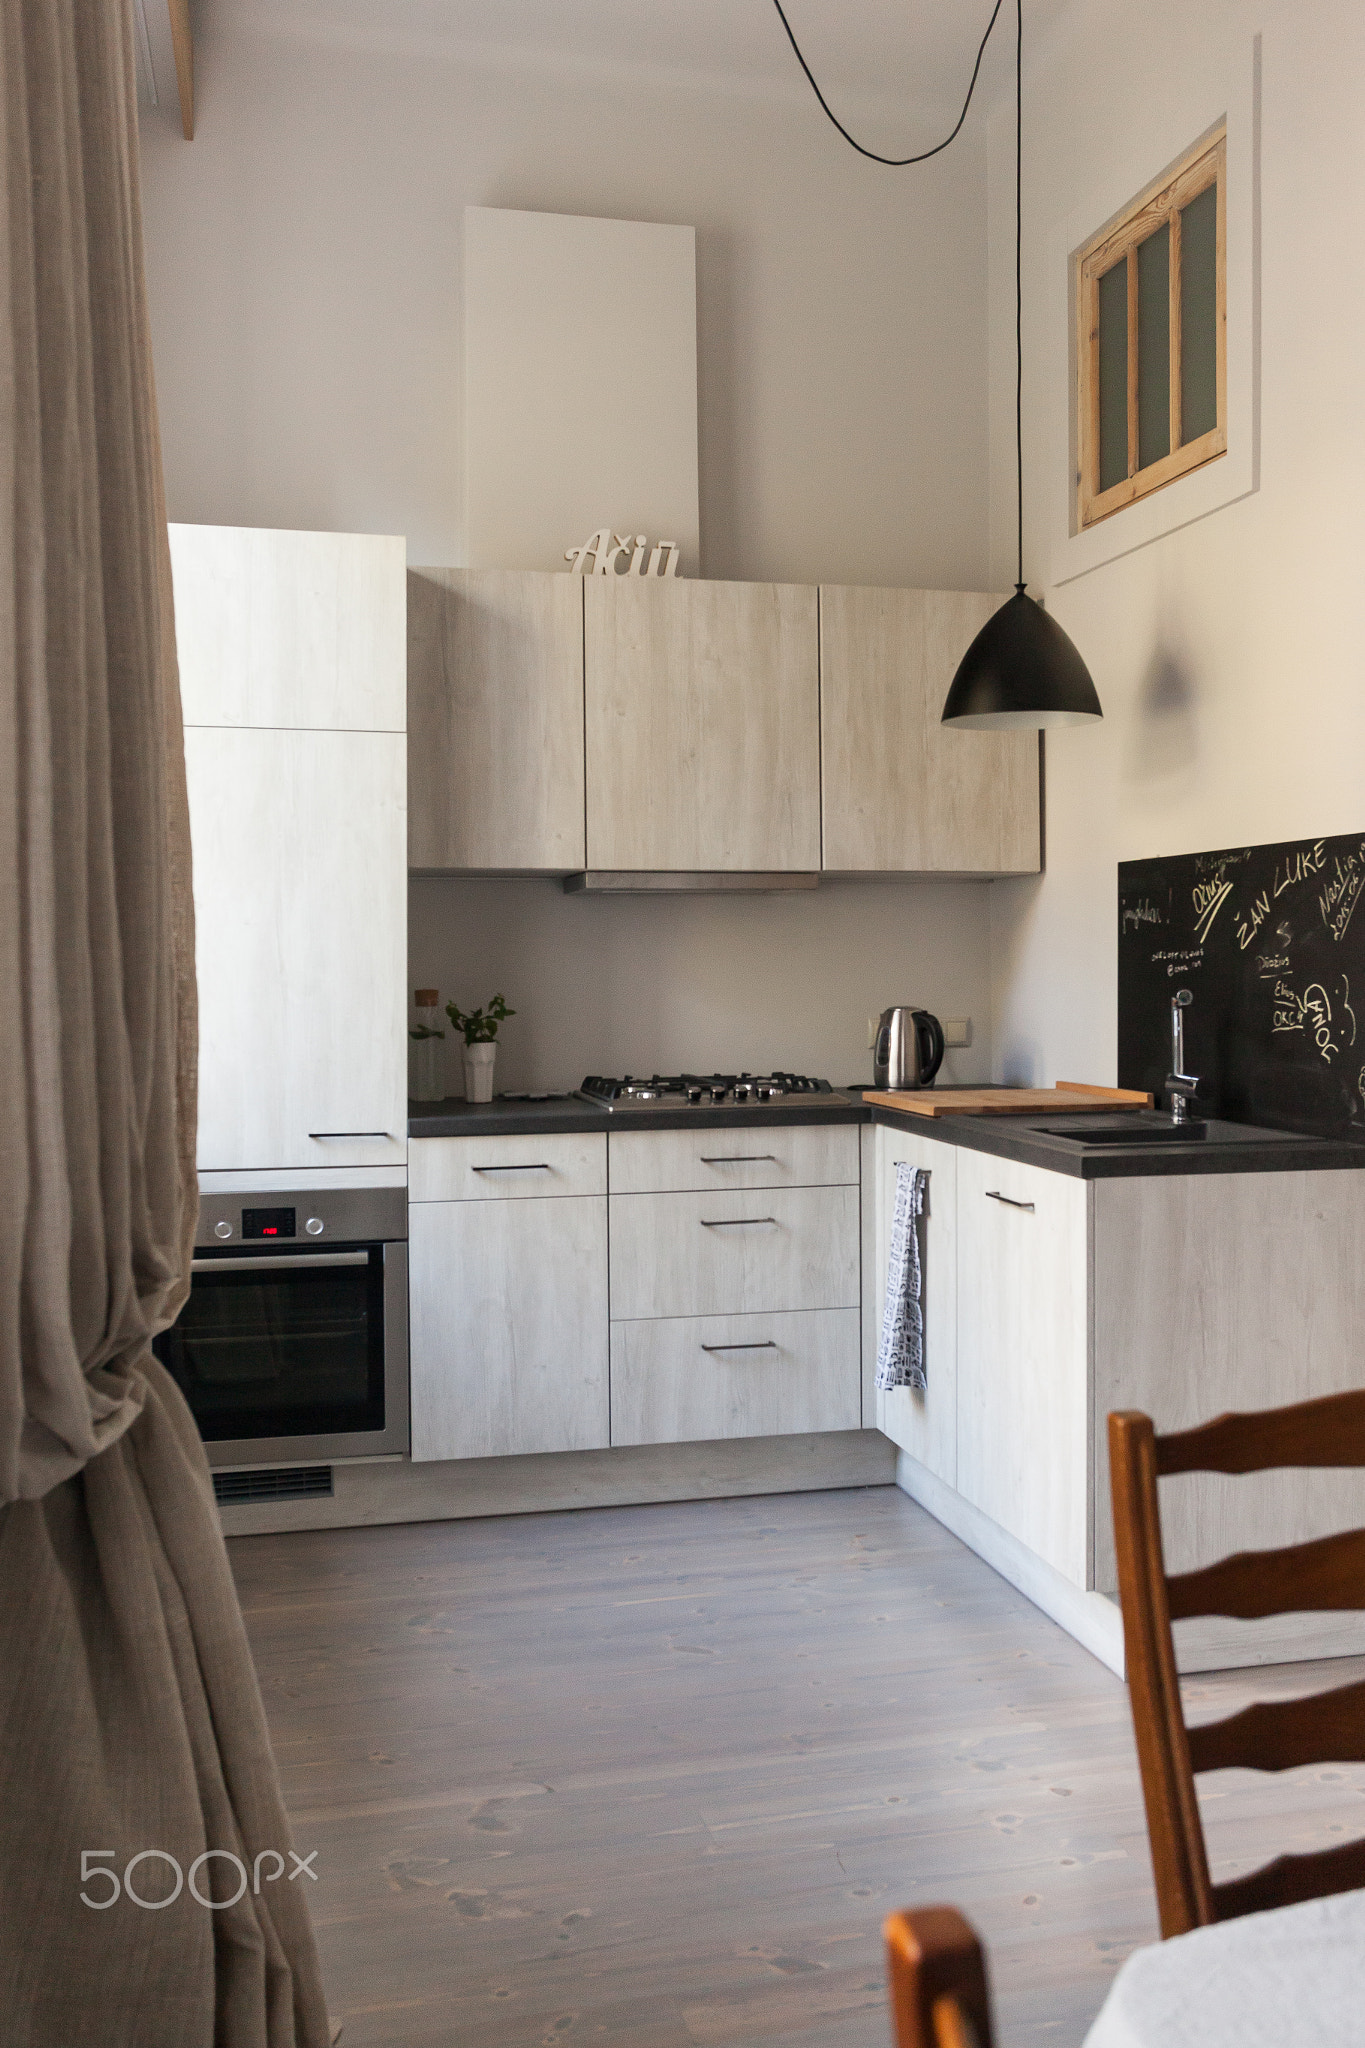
(1154, 347)
(1114, 375)
(1199, 315)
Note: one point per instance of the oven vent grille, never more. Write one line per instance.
(292, 1482)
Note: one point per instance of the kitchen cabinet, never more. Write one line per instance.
(735, 1282)
(495, 720)
(1023, 1385)
(902, 792)
(289, 630)
(702, 726)
(509, 1326)
(925, 1424)
(300, 901)
(694, 1379)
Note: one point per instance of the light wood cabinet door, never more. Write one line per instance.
(300, 899)
(925, 1424)
(902, 792)
(1023, 1364)
(734, 1254)
(509, 1327)
(775, 1156)
(702, 723)
(694, 1380)
(521, 1167)
(290, 629)
(495, 720)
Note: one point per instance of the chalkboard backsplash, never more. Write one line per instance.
(1267, 940)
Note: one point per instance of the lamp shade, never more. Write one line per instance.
(1020, 671)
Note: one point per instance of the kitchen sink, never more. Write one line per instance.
(1128, 1130)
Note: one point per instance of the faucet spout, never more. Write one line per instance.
(1180, 1086)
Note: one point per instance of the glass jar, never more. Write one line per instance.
(427, 1048)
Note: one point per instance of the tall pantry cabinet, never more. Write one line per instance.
(292, 656)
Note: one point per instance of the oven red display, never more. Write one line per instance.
(268, 1223)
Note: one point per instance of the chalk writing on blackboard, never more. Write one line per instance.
(1267, 939)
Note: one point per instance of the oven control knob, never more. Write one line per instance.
(222, 1230)
(314, 1226)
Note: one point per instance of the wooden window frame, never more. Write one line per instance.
(1159, 206)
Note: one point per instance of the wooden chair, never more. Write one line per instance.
(1325, 1575)
(937, 1980)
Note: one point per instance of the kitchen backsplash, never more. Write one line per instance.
(650, 983)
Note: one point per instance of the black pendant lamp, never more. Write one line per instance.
(1021, 670)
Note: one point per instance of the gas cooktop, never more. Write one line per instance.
(703, 1091)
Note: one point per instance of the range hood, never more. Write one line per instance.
(651, 882)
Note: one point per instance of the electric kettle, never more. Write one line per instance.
(908, 1050)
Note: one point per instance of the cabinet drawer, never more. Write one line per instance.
(733, 1254)
(790, 1156)
(691, 1380)
(503, 1169)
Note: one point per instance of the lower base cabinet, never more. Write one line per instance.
(509, 1326)
(692, 1379)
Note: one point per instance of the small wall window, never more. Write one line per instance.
(1151, 338)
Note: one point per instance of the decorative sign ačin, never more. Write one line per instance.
(599, 555)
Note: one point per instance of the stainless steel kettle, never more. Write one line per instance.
(908, 1050)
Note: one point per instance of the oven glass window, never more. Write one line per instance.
(290, 1346)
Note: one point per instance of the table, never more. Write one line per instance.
(1268, 1980)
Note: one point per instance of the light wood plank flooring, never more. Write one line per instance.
(654, 1775)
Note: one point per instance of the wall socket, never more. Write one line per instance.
(957, 1031)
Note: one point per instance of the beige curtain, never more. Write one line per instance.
(130, 1720)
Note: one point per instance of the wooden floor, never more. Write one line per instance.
(654, 1775)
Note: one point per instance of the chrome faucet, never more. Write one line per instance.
(1179, 1086)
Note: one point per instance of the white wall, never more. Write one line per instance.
(1228, 655)
(660, 983)
(303, 262)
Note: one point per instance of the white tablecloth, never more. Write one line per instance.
(1269, 1980)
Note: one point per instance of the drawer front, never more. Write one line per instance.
(788, 1156)
(733, 1254)
(694, 1379)
(506, 1169)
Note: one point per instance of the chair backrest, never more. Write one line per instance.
(1325, 1575)
(936, 1975)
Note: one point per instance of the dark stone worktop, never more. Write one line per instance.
(1228, 1148)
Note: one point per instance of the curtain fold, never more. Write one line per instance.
(130, 1719)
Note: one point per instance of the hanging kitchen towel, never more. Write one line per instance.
(900, 1356)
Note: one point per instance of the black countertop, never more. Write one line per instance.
(1032, 1141)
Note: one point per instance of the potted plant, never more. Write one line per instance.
(480, 1028)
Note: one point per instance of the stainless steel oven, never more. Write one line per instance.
(293, 1345)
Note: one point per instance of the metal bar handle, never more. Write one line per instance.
(532, 1166)
(994, 1195)
(267, 1262)
(350, 1134)
(732, 1222)
(739, 1159)
(766, 1345)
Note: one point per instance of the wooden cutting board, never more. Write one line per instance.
(1065, 1097)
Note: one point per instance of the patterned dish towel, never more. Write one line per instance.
(900, 1356)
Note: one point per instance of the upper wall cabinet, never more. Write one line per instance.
(289, 630)
(903, 792)
(702, 725)
(495, 719)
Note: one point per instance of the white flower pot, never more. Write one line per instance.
(478, 1072)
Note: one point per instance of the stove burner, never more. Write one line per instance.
(699, 1091)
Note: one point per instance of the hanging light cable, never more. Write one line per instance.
(1021, 670)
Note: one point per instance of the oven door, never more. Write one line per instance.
(291, 1357)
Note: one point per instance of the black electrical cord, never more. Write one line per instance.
(899, 162)
(896, 163)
